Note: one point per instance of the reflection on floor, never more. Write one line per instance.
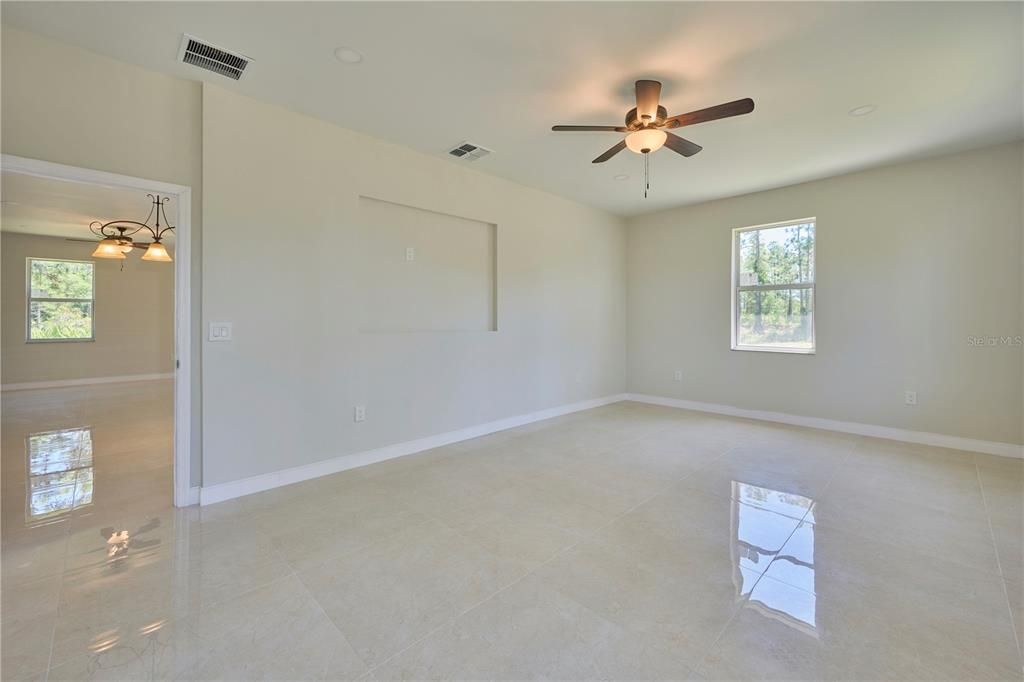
(625, 542)
(59, 473)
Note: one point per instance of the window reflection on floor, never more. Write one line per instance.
(60, 473)
(794, 564)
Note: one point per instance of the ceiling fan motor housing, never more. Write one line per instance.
(634, 123)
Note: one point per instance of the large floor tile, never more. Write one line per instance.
(964, 539)
(842, 632)
(532, 631)
(276, 632)
(390, 594)
(674, 599)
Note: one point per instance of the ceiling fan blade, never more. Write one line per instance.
(681, 145)
(737, 108)
(647, 95)
(136, 245)
(611, 152)
(600, 129)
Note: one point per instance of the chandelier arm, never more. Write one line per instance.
(125, 229)
(167, 223)
(104, 228)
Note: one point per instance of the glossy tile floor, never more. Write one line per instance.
(625, 542)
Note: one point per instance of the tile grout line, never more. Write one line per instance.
(999, 564)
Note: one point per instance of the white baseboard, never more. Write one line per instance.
(84, 382)
(193, 495)
(254, 484)
(906, 435)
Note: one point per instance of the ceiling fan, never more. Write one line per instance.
(648, 124)
(127, 244)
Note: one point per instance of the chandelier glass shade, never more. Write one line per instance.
(110, 248)
(157, 252)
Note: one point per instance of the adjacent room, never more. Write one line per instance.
(512, 340)
(88, 352)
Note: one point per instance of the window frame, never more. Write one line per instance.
(30, 299)
(736, 288)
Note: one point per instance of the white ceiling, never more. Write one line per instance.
(944, 76)
(59, 208)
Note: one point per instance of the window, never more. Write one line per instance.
(773, 287)
(60, 300)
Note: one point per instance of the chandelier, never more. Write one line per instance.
(117, 235)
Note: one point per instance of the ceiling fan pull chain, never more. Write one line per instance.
(647, 173)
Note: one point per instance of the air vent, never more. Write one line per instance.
(467, 151)
(199, 53)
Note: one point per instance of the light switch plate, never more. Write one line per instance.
(220, 331)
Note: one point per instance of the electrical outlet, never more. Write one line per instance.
(910, 397)
(679, 375)
(359, 414)
(410, 254)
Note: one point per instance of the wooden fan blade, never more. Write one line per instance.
(737, 108)
(611, 152)
(647, 95)
(681, 145)
(600, 129)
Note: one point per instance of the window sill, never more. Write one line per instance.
(763, 349)
(60, 340)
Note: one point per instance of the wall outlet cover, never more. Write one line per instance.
(220, 331)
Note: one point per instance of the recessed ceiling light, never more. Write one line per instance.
(346, 55)
(621, 177)
(862, 110)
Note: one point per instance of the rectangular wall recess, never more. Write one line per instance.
(421, 270)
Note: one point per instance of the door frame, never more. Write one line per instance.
(184, 493)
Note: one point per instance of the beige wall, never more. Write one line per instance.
(134, 317)
(66, 105)
(912, 259)
(282, 262)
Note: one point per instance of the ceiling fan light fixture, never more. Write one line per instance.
(109, 248)
(646, 140)
(157, 252)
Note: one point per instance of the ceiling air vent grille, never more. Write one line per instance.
(467, 151)
(199, 53)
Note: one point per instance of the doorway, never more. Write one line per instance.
(184, 493)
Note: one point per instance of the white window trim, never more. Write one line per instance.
(735, 288)
(30, 299)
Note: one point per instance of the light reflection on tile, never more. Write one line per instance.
(778, 501)
(60, 473)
